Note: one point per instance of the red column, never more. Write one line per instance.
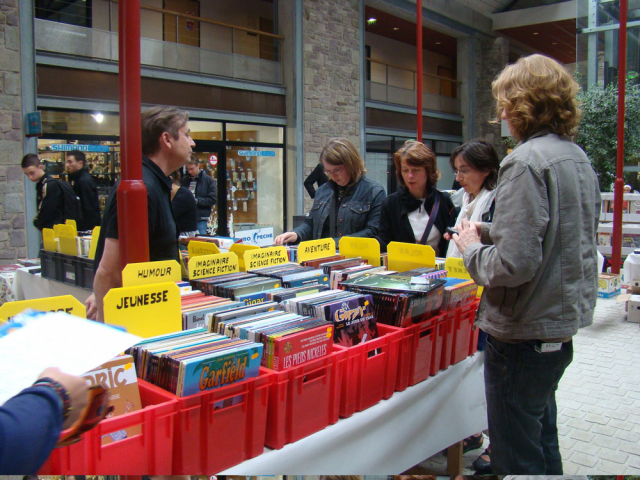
(616, 242)
(133, 229)
(419, 69)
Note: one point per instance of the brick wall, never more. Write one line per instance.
(13, 238)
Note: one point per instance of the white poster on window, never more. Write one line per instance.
(263, 237)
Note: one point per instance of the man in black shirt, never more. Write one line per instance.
(49, 194)
(166, 146)
(85, 188)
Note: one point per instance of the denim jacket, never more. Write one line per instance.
(538, 258)
(358, 215)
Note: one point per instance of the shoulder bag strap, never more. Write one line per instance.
(432, 219)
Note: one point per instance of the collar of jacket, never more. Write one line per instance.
(198, 176)
(539, 133)
(409, 203)
(349, 189)
(75, 175)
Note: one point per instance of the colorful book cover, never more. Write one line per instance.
(353, 319)
(298, 348)
(458, 292)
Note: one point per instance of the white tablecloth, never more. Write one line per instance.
(28, 286)
(390, 437)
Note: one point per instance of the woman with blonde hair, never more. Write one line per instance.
(347, 205)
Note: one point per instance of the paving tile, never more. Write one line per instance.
(604, 430)
(605, 466)
(584, 460)
(581, 435)
(621, 425)
(599, 419)
(607, 441)
(571, 413)
(628, 436)
(630, 447)
(579, 424)
(570, 468)
(612, 455)
(587, 448)
(568, 443)
(618, 415)
(596, 409)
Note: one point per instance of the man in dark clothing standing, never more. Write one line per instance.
(85, 188)
(49, 194)
(316, 176)
(203, 188)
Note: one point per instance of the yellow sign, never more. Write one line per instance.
(151, 272)
(94, 242)
(72, 222)
(67, 237)
(265, 257)
(407, 256)
(206, 266)
(312, 249)
(145, 310)
(455, 268)
(65, 303)
(49, 240)
(367, 248)
(239, 249)
(196, 248)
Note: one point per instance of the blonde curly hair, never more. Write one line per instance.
(537, 93)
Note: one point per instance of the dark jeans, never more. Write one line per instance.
(202, 227)
(520, 385)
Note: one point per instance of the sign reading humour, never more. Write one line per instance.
(151, 272)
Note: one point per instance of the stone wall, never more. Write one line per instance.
(331, 76)
(13, 238)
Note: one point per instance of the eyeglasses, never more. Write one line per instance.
(462, 173)
(335, 171)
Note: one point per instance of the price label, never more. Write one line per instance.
(196, 248)
(407, 256)
(64, 303)
(367, 248)
(94, 242)
(206, 266)
(151, 272)
(312, 249)
(239, 249)
(49, 240)
(265, 257)
(144, 310)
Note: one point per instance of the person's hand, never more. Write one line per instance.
(468, 233)
(477, 225)
(288, 237)
(77, 389)
(92, 307)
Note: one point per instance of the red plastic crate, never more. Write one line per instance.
(441, 358)
(416, 351)
(473, 343)
(210, 438)
(367, 380)
(462, 333)
(150, 452)
(304, 399)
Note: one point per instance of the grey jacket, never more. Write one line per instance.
(538, 258)
(358, 216)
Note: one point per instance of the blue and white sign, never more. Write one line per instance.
(263, 237)
(62, 147)
(255, 153)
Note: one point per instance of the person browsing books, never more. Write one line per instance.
(418, 212)
(347, 205)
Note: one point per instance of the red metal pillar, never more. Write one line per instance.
(419, 68)
(133, 229)
(616, 242)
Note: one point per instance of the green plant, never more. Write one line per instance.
(509, 142)
(597, 134)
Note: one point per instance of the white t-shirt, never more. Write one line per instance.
(418, 220)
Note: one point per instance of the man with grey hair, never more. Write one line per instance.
(166, 146)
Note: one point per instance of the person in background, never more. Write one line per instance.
(537, 262)
(418, 212)
(48, 193)
(316, 176)
(31, 422)
(203, 188)
(166, 146)
(184, 207)
(347, 205)
(85, 188)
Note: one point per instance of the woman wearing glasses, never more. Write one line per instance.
(417, 212)
(347, 205)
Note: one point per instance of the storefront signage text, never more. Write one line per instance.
(255, 153)
(407, 256)
(65, 303)
(62, 147)
(367, 248)
(262, 237)
(206, 266)
(312, 249)
(151, 272)
(265, 257)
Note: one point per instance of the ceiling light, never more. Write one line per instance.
(396, 28)
(98, 117)
(372, 21)
(535, 33)
(554, 43)
(438, 43)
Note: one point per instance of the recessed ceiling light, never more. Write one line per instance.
(372, 21)
(535, 33)
(554, 43)
(396, 28)
(438, 43)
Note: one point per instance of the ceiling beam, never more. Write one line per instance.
(535, 15)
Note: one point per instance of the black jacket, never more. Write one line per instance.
(50, 203)
(87, 191)
(394, 217)
(206, 193)
(317, 176)
(185, 210)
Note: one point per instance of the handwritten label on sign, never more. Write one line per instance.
(407, 256)
(206, 266)
(239, 249)
(49, 240)
(312, 249)
(144, 310)
(265, 257)
(367, 248)
(196, 248)
(65, 303)
(151, 272)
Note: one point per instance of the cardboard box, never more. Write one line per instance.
(608, 285)
(633, 309)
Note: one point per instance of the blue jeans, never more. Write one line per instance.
(520, 385)
(202, 227)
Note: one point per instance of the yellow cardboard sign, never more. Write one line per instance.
(49, 240)
(312, 249)
(205, 266)
(265, 257)
(67, 237)
(196, 248)
(368, 248)
(94, 242)
(64, 303)
(72, 222)
(239, 249)
(145, 310)
(146, 273)
(455, 268)
(407, 256)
